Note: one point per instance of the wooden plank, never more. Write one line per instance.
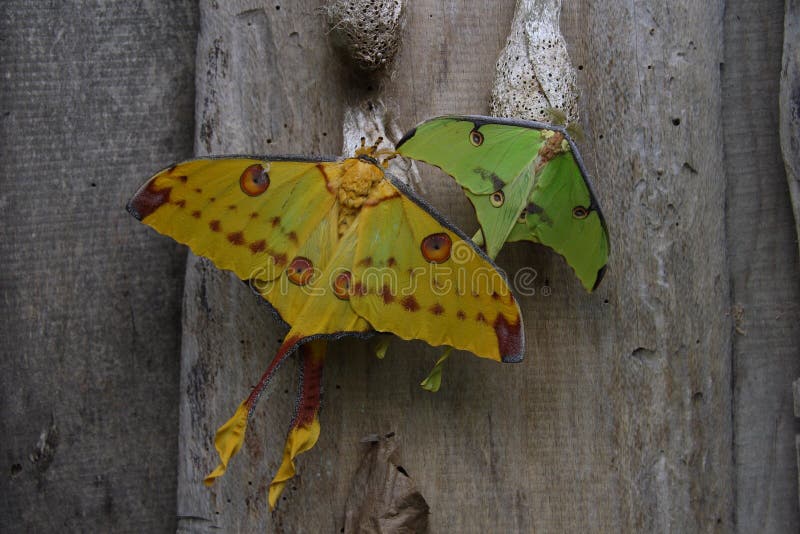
(765, 280)
(625, 396)
(650, 87)
(789, 104)
(93, 99)
(796, 396)
(790, 140)
(268, 83)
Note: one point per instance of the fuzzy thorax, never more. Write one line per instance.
(363, 182)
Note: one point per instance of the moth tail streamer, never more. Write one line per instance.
(228, 441)
(305, 428)
(230, 436)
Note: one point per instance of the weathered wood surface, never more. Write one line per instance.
(619, 418)
(789, 109)
(267, 83)
(93, 98)
(765, 278)
(796, 397)
(789, 103)
(651, 88)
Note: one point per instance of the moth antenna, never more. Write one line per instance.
(575, 131)
(372, 150)
(556, 116)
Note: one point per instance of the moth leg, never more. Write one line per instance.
(478, 238)
(230, 436)
(433, 381)
(305, 428)
(380, 345)
(389, 156)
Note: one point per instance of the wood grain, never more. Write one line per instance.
(638, 407)
(651, 90)
(625, 396)
(93, 99)
(789, 104)
(765, 277)
(267, 84)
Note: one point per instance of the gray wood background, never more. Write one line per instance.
(93, 97)
(660, 403)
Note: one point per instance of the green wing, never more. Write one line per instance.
(526, 181)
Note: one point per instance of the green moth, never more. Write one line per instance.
(526, 181)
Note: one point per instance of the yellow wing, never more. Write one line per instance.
(417, 276)
(398, 267)
(247, 215)
(306, 293)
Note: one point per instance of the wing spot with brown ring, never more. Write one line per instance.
(254, 180)
(476, 138)
(341, 285)
(436, 247)
(300, 271)
(497, 199)
(579, 212)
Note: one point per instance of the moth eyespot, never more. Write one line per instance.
(300, 271)
(341, 285)
(497, 198)
(255, 179)
(476, 138)
(436, 247)
(522, 216)
(579, 212)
